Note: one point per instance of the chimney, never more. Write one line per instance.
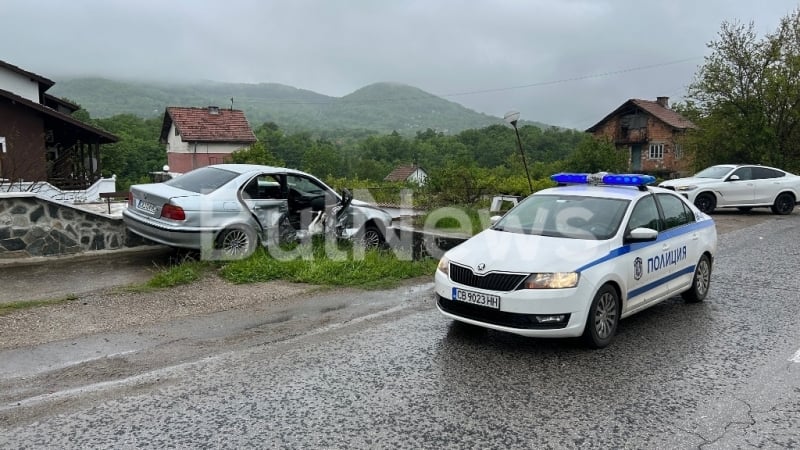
(214, 110)
(663, 101)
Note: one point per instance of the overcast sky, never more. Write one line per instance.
(561, 62)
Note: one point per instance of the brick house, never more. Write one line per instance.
(197, 137)
(39, 139)
(650, 132)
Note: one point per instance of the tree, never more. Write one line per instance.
(597, 155)
(746, 97)
(256, 153)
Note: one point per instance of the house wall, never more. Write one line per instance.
(185, 156)
(19, 84)
(24, 155)
(184, 162)
(657, 132)
(418, 176)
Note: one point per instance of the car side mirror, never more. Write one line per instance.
(494, 219)
(641, 235)
(347, 197)
(733, 178)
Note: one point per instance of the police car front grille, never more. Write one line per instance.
(493, 281)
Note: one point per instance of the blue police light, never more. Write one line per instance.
(627, 179)
(570, 178)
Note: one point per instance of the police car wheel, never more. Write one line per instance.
(603, 319)
(701, 281)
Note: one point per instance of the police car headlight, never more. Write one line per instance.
(444, 265)
(557, 280)
(688, 187)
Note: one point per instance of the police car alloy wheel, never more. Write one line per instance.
(576, 259)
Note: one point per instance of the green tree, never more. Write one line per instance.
(596, 155)
(746, 97)
(257, 153)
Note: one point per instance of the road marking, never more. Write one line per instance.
(796, 357)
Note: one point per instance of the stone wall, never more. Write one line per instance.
(31, 225)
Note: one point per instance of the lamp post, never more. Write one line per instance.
(512, 117)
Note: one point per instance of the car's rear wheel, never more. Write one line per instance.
(236, 243)
(706, 202)
(784, 204)
(701, 281)
(604, 314)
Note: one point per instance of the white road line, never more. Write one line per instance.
(796, 357)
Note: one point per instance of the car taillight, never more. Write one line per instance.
(173, 212)
(130, 199)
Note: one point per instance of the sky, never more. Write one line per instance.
(561, 62)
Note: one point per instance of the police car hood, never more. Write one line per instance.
(514, 252)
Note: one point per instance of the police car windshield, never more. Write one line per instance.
(567, 216)
(713, 172)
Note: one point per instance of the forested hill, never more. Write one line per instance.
(382, 107)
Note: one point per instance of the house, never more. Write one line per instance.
(197, 137)
(650, 132)
(412, 174)
(39, 139)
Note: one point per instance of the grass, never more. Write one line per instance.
(371, 269)
(183, 273)
(8, 308)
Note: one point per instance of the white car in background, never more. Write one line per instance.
(739, 186)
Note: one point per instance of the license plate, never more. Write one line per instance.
(476, 298)
(146, 206)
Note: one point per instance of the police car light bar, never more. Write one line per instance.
(626, 179)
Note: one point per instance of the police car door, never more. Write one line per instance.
(644, 282)
(681, 256)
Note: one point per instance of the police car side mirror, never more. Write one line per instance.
(641, 235)
(494, 219)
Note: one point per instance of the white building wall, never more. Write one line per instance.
(19, 85)
(176, 145)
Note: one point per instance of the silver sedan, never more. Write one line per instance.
(231, 208)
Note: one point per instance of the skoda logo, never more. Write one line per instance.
(637, 268)
(481, 266)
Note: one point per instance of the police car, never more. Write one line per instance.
(575, 259)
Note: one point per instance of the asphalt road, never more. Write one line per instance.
(385, 369)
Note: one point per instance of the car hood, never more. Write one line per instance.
(513, 252)
(690, 181)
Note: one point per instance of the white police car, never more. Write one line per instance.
(575, 259)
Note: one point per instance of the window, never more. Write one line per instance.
(678, 151)
(656, 151)
(2, 144)
(760, 173)
(744, 173)
(676, 213)
(645, 215)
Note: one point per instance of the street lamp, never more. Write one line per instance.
(512, 117)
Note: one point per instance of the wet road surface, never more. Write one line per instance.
(385, 369)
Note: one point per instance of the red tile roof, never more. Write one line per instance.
(655, 109)
(201, 125)
(400, 173)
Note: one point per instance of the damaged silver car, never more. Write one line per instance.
(231, 208)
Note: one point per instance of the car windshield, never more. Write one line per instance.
(568, 216)
(714, 172)
(203, 180)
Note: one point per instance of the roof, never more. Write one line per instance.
(48, 83)
(200, 125)
(401, 173)
(105, 137)
(666, 115)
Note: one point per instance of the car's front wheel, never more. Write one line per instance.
(604, 314)
(706, 202)
(701, 281)
(371, 237)
(784, 204)
(236, 243)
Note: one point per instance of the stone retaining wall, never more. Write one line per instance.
(31, 225)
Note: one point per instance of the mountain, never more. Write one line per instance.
(382, 107)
